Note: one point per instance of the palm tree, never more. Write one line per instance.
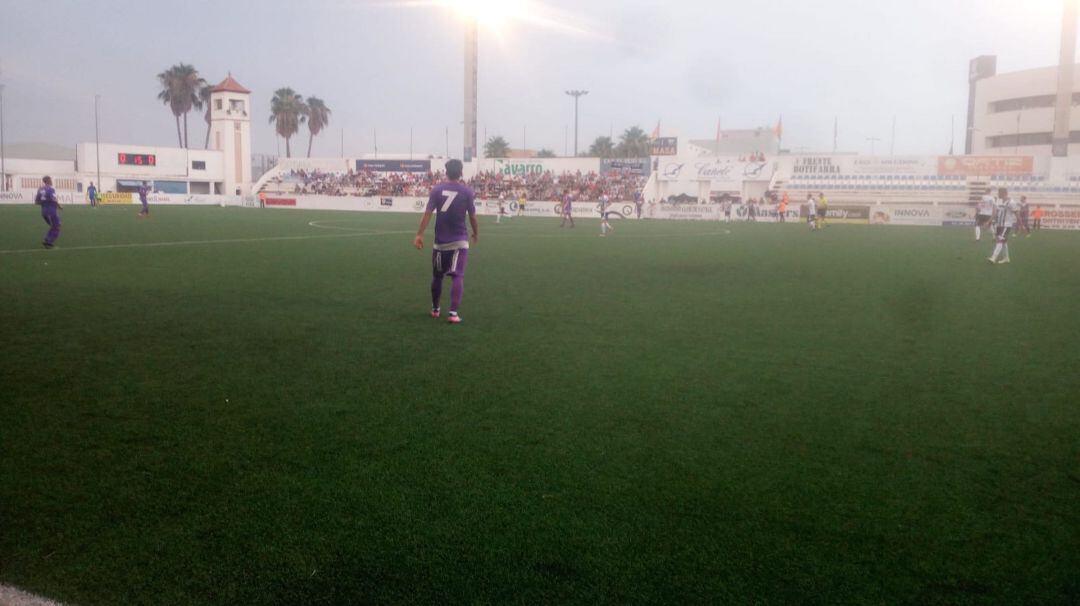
(180, 85)
(545, 153)
(603, 147)
(204, 99)
(287, 113)
(318, 116)
(496, 147)
(633, 143)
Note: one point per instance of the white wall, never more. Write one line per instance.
(172, 164)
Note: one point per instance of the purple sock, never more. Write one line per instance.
(456, 290)
(54, 228)
(436, 291)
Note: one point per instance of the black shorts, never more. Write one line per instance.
(1002, 232)
(981, 220)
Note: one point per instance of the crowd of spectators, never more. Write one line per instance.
(355, 183)
(586, 187)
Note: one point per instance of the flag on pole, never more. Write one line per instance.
(779, 130)
(656, 133)
(719, 133)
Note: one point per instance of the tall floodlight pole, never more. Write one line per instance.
(872, 141)
(3, 167)
(1063, 106)
(97, 140)
(471, 50)
(892, 140)
(576, 94)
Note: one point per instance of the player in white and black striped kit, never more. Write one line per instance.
(984, 210)
(1006, 212)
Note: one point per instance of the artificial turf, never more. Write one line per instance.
(679, 413)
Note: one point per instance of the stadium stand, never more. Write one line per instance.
(488, 185)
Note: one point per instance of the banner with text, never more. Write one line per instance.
(985, 166)
(847, 214)
(905, 215)
(1061, 218)
(394, 166)
(723, 174)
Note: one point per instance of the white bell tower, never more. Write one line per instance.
(230, 133)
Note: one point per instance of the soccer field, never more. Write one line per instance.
(237, 406)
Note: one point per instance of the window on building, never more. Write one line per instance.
(217, 104)
(1023, 103)
(198, 165)
(1018, 140)
(171, 187)
(236, 106)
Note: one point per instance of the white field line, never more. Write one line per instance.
(11, 596)
(353, 234)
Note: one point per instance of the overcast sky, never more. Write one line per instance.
(390, 66)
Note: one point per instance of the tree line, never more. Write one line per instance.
(633, 143)
(184, 90)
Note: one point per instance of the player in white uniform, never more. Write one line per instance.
(502, 209)
(984, 210)
(1007, 211)
(605, 227)
(811, 211)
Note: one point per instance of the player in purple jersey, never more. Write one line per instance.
(50, 210)
(144, 189)
(452, 200)
(567, 209)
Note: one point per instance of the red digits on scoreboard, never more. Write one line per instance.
(123, 158)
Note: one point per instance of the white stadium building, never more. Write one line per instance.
(1013, 113)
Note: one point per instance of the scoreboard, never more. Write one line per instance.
(136, 159)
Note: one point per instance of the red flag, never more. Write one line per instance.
(779, 130)
(656, 133)
(719, 134)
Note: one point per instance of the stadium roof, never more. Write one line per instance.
(229, 85)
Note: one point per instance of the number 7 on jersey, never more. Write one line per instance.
(449, 195)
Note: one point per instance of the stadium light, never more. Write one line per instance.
(576, 94)
(97, 140)
(3, 168)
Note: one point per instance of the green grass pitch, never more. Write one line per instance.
(241, 408)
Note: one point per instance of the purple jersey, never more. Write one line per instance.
(567, 204)
(46, 197)
(451, 201)
(143, 190)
